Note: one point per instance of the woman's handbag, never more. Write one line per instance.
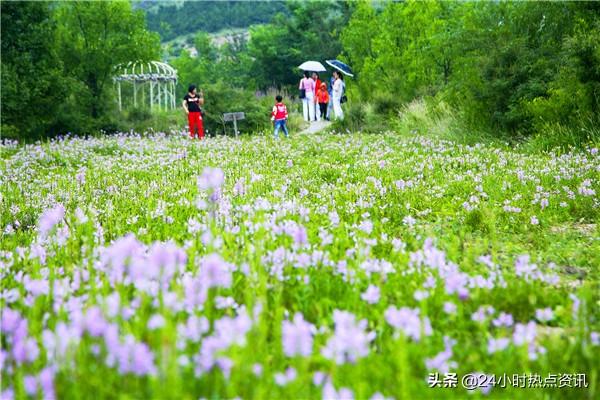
(302, 91)
(344, 99)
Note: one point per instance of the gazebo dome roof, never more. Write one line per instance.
(145, 72)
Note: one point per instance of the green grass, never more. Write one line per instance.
(147, 186)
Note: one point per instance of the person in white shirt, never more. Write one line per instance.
(338, 91)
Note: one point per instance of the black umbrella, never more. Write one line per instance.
(340, 66)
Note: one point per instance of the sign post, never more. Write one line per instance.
(235, 117)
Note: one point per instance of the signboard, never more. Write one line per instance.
(235, 117)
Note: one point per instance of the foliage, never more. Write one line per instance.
(172, 20)
(514, 70)
(222, 98)
(33, 86)
(507, 67)
(95, 37)
(310, 32)
(57, 64)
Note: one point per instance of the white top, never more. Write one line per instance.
(338, 88)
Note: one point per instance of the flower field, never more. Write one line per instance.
(325, 266)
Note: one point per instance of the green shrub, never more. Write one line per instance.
(386, 103)
(9, 132)
(138, 114)
(556, 135)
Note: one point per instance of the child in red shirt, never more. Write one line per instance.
(322, 98)
(279, 117)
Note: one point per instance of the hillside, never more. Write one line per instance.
(174, 19)
(173, 47)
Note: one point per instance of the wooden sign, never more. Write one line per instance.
(235, 117)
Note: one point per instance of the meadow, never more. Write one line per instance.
(325, 266)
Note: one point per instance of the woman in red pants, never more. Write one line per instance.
(191, 105)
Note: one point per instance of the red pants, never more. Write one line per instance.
(195, 121)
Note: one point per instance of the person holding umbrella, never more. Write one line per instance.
(338, 88)
(338, 91)
(307, 94)
(330, 91)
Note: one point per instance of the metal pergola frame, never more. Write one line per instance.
(160, 79)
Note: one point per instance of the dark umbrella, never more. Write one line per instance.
(340, 66)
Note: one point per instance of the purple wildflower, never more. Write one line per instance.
(503, 319)
(544, 314)
(371, 295)
(214, 272)
(157, 321)
(350, 340)
(442, 361)
(257, 369)
(297, 337)
(50, 218)
(495, 345)
(329, 392)
(449, 307)
(407, 320)
(211, 178)
(524, 333)
(283, 378)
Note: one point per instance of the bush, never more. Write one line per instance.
(221, 98)
(144, 120)
(556, 135)
(9, 132)
(386, 103)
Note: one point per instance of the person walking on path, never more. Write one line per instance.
(322, 99)
(338, 92)
(307, 86)
(191, 105)
(279, 117)
(330, 105)
(315, 77)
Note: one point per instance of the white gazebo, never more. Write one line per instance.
(155, 78)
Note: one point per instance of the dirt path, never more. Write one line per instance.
(315, 127)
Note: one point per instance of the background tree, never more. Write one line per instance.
(32, 82)
(93, 37)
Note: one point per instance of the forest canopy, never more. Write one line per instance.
(171, 19)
